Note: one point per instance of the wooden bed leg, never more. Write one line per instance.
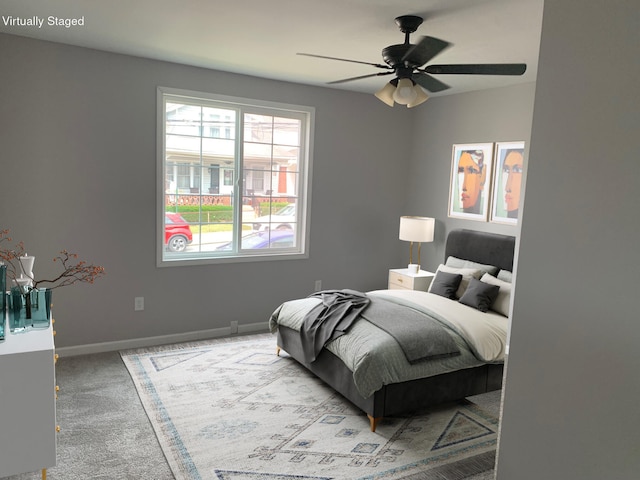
(373, 422)
(277, 350)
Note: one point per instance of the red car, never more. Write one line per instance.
(177, 232)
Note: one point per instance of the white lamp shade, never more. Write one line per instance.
(405, 93)
(417, 229)
(385, 94)
(421, 97)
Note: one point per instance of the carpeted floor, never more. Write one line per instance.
(107, 435)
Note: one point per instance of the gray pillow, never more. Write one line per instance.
(480, 295)
(505, 276)
(461, 263)
(446, 284)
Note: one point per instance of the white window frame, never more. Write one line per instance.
(304, 194)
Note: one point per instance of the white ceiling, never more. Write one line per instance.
(262, 37)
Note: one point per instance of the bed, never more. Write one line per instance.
(367, 365)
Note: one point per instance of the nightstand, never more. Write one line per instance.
(401, 278)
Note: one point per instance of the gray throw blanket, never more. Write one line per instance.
(420, 336)
(330, 319)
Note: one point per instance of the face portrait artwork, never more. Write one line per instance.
(472, 174)
(512, 181)
(470, 182)
(507, 182)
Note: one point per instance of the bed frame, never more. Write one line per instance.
(405, 397)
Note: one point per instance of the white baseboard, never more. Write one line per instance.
(160, 340)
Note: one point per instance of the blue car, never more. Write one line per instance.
(265, 239)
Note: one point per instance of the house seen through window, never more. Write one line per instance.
(234, 178)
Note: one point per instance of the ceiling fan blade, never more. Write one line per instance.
(379, 65)
(424, 50)
(478, 69)
(428, 82)
(359, 78)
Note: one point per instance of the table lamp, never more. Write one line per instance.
(416, 229)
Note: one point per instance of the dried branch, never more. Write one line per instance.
(72, 271)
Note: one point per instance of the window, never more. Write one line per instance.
(233, 178)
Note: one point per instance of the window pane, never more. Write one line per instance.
(268, 240)
(288, 156)
(183, 119)
(257, 152)
(218, 123)
(276, 214)
(286, 131)
(258, 128)
(254, 181)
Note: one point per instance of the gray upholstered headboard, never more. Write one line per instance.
(481, 247)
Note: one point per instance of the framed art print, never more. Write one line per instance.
(469, 191)
(507, 182)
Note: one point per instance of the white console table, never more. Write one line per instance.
(27, 402)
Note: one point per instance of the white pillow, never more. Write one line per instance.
(467, 274)
(501, 303)
(456, 262)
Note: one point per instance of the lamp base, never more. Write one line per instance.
(413, 268)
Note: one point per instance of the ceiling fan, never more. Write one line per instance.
(407, 61)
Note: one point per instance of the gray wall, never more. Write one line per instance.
(497, 115)
(572, 390)
(78, 144)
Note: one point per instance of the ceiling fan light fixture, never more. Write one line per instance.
(385, 94)
(421, 97)
(405, 93)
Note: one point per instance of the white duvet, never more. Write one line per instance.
(486, 333)
(376, 359)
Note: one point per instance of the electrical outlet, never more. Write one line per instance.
(318, 285)
(234, 326)
(138, 304)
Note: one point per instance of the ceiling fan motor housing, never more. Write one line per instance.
(393, 55)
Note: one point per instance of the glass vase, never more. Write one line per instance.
(3, 300)
(41, 308)
(29, 308)
(17, 310)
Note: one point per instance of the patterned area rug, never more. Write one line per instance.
(233, 410)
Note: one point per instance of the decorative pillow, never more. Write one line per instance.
(501, 303)
(505, 276)
(460, 263)
(445, 284)
(467, 274)
(480, 295)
